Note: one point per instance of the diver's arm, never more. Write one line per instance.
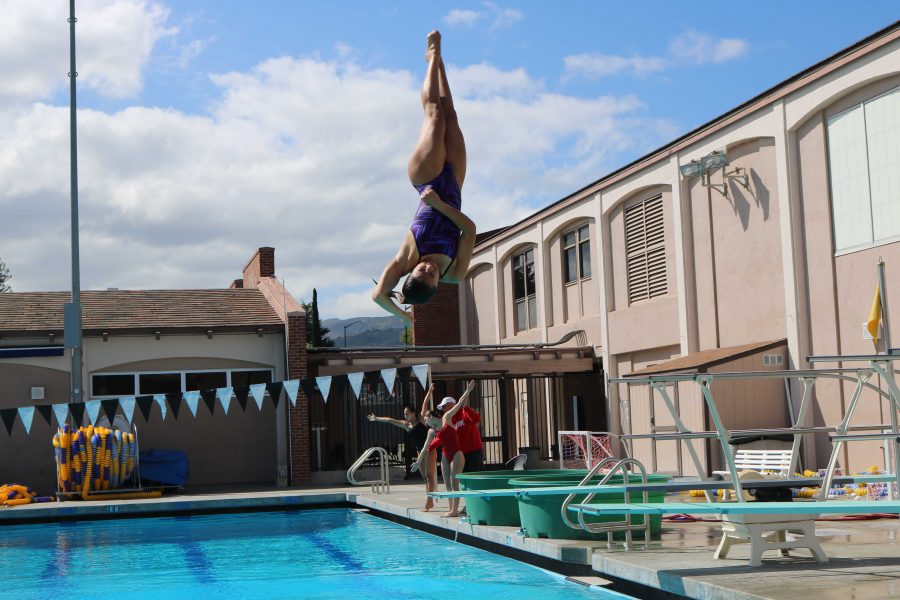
(392, 273)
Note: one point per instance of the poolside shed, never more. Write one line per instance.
(742, 404)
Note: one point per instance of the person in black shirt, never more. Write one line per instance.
(416, 432)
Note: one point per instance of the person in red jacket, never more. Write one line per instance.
(466, 424)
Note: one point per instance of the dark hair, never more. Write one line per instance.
(409, 408)
(436, 413)
(416, 291)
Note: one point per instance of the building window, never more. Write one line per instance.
(523, 291)
(137, 384)
(577, 254)
(645, 249)
(864, 165)
(159, 383)
(113, 385)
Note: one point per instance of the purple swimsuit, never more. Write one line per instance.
(434, 233)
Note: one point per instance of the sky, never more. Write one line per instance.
(207, 129)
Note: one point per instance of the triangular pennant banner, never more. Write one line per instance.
(62, 413)
(192, 399)
(77, 410)
(356, 380)
(324, 384)
(309, 388)
(421, 373)
(209, 399)
(127, 404)
(161, 400)
(145, 403)
(258, 391)
(9, 418)
(389, 376)
(291, 387)
(26, 413)
(174, 399)
(93, 410)
(45, 411)
(240, 394)
(275, 391)
(109, 409)
(224, 396)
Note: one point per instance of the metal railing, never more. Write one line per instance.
(624, 466)
(382, 485)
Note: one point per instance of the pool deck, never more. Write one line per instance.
(864, 556)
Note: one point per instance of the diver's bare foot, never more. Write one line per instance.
(452, 513)
(429, 504)
(433, 45)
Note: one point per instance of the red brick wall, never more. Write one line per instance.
(298, 416)
(437, 323)
(261, 265)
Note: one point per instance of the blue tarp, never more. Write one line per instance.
(169, 467)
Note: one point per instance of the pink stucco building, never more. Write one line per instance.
(778, 248)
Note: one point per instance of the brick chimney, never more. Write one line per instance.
(437, 323)
(261, 265)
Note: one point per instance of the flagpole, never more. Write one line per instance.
(72, 316)
(885, 316)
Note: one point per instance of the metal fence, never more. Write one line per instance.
(517, 412)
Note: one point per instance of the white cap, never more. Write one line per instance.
(447, 401)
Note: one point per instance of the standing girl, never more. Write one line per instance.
(443, 433)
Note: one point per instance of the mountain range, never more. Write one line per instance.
(365, 332)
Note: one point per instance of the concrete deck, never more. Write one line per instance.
(864, 555)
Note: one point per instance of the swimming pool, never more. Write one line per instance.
(330, 553)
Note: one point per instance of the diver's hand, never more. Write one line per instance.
(430, 198)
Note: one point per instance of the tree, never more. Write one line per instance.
(316, 335)
(406, 337)
(4, 277)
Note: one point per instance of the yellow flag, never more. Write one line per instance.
(875, 316)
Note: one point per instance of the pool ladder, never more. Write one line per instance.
(382, 485)
(626, 467)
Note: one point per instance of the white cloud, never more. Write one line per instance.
(691, 47)
(189, 52)
(484, 80)
(593, 66)
(114, 39)
(502, 18)
(462, 17)
(698, 48)
(305, 155)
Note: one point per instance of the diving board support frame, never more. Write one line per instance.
(660, 388)
(861, 378)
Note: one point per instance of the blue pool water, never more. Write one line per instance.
(334, 553)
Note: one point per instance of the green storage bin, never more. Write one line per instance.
(499, 511)
(540, 515)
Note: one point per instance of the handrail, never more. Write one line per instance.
(379, 486)
(578, 334)
(587, 478)
(610, 527)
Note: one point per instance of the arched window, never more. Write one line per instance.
(864, 164)
(524, 296)
(576, 249)
(645, 249)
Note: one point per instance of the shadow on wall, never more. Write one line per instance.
(758, 192)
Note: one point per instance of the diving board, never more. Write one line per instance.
(679, 486)
(859, 507)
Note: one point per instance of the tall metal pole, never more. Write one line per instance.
(885, 313)
(73, 310)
